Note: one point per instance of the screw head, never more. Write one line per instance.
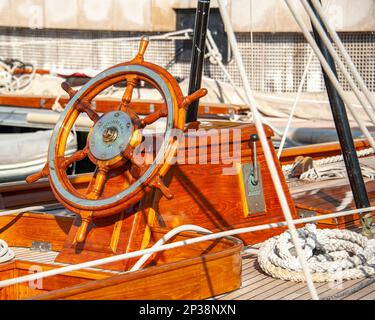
(254, 137)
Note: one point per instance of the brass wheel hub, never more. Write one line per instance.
(111, 135)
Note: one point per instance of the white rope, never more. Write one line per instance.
(333, 159)
(360, 154)
(296, 100)
(265, 146)
(328, 70)
(6, 253)
(56, 105)
(332, 255)
(337, 58)
(332, 167)
(184, 34)
(336, 170)
(165, 238)
(345, 54)
(173, 245)
(216, 58)
(294, 107)
(10, 81)
(4, 213)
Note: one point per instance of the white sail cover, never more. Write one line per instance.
(22, 154)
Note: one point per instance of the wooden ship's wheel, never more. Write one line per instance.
(119, 180)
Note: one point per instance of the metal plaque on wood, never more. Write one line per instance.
(251, 188)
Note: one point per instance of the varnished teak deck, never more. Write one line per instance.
(256, 285)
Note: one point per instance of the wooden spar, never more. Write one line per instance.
(319, 150)
(142, 107)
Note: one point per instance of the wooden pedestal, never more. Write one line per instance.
(106, 237)
(211, 195)
(206, 195)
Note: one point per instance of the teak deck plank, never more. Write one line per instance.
(332, 198)
(370, 296)
(367, 293)
(339, 292)
(258, 286)
(281, 290)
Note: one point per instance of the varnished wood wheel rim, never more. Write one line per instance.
(58, 178)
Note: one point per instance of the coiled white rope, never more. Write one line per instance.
(6, 254)
(331, 254)
(337, 170)
(332, 167)
(338, 158)
(10, 81)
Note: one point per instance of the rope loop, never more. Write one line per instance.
(6, 254)
(330, 253)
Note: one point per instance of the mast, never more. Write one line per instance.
(198, 51)
(344, 133)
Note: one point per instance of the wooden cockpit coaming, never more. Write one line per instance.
(191, 272)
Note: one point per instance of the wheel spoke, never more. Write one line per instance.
(151, 118)
(96, 186)
(158, 183)
(76, 156)
(133, 115)
(136, 169)
(84, 106)
(36, 176)
(131, 83)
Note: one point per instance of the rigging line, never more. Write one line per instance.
(173, 245)
(299, 91)
(166, 36)
(267, 149)
(294, 107)
(344, 53)
(337, 58)
(214, 53)
(333, 159)
(329, 72)
(169, 235)
(252, 40)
